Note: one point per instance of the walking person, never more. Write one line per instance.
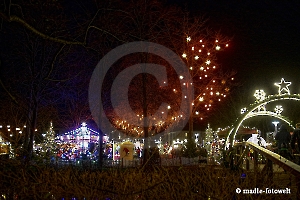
(296, 139)
(283, 138)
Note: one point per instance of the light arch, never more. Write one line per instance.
(250, 113)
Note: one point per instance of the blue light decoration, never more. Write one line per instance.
(80, 143)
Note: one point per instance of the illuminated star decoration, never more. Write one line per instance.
(278, 109)
(283, 87)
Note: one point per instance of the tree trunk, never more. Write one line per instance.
(145, 122)
(191, 122)
(191, 127)
(32, 127)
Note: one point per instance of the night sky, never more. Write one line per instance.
(265, 45)
(265, 41)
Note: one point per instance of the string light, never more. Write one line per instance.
(261, 101)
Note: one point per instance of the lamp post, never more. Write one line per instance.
(275, 124)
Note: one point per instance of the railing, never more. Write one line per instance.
(242, 154)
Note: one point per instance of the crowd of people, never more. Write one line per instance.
(288, 145)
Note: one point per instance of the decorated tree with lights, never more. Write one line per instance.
(49, 146)
(210, 83)
(212, 144)
(145, 92)
(209, 138)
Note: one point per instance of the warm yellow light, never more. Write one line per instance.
(188, 39)
(201, 68)
(184, 55)
(196, 57)
(208, 62)
(218, 47)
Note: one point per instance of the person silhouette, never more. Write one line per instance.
(283, 138)
(296, 138)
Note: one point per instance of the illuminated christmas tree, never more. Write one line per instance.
(209, 138)
(49, 146)
(212, 145)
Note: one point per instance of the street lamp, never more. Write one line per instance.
(275, 124)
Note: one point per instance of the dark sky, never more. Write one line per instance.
(265, 45)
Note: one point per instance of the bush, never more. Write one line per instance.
(190, 149)
(20, 181)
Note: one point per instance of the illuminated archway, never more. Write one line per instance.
(259, 109)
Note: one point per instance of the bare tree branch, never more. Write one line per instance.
(9, 94)
(14, 18)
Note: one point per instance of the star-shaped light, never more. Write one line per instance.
(260, 95)
(283, 87)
